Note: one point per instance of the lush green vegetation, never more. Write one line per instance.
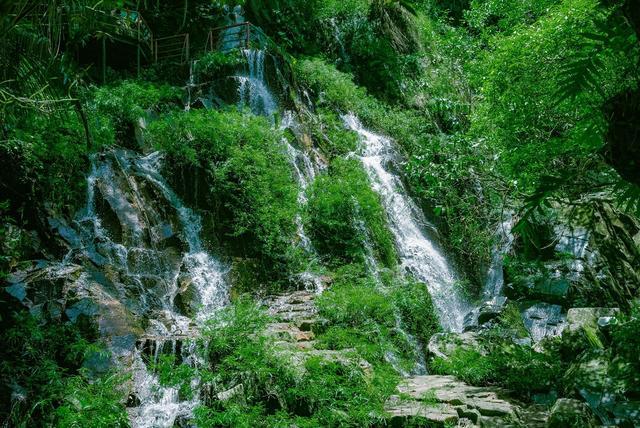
(277, 389)
(251, 190)
(54, 375)
(345, 216)
(497, 107)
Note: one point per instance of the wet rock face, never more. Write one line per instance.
(601, 249)
(587, 255)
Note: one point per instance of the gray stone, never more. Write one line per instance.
(579, 318)
(18, 290)
(436, 398)
(83, 307)
(235, 393)
(405, 413)
(543, 320)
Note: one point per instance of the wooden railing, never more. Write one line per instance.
(229, 37)
(172, 47)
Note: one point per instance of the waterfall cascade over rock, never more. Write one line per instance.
(419, 252)
(136, 226)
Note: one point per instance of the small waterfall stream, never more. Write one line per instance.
(419, 252)
(304, 171)
(253, 91)
(154, 246)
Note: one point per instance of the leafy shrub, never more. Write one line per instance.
(119, 106)
(326, 393)
(44, 160)
(93, 402)
(416, 310)
(467, 364)
(43, 382)
(215, 65)
(516, 367)
(356, 305)
(338, 201)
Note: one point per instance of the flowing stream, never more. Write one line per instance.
(253, 91)
(137, 226)
(419, 252)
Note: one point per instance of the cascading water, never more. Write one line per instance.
(156, 265)
(495, 277)
(370, 261)
(191, 84)
(253, 91)
(304, 172)
(419, 253)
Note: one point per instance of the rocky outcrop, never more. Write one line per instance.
(581, 318)
(444, 400)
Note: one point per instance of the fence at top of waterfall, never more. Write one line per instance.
(242, 35)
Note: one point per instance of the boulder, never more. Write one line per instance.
(235, 393)
(580, 318)
(187, 297)
(484, 313)
(570, 413)
(543, 320)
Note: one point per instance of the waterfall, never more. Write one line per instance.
(191, 84)
(253, 91)
(232, 37)
(304, 172)
(157, 271)
(495, 277)
(370, 261)
(419, 252)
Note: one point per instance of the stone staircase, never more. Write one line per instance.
(428, 400)
(296, 317)
(444, 400)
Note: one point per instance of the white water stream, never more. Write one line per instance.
(419, 252)
(142, 201)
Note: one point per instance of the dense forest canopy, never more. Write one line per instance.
(320, 213)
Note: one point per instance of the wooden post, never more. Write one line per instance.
(248, 25)
(187, 46)
(138, 51)
(104, 60)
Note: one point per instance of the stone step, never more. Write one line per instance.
(485, 406)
